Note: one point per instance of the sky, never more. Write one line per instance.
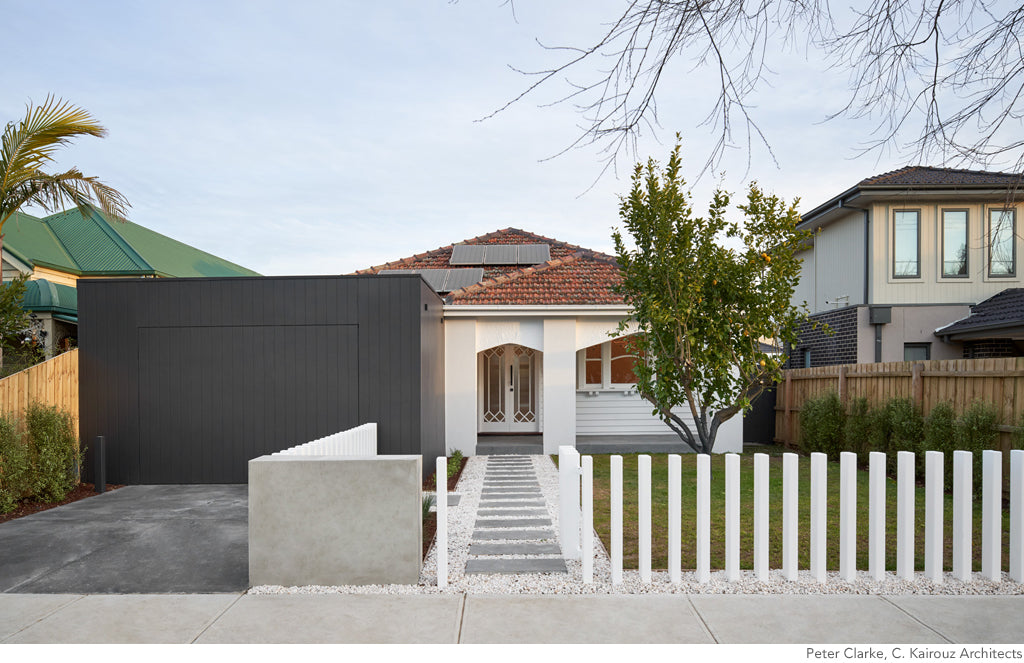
(322, 137)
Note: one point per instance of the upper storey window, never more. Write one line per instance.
(906, 243)
(954, 243)
(1002, 252)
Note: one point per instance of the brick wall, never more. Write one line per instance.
(990, 348)
(838, 348)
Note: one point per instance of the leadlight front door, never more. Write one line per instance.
(509, 400)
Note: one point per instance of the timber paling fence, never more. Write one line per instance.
(52, 382)
(959, 382)
(576, 515)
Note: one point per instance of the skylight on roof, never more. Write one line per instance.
(500, 254)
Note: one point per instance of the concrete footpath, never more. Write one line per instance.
(492, 619)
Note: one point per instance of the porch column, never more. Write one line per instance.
(460, 385)
(559, 384)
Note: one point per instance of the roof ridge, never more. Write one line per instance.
(45, 221)
(873, 179)
(472, 240)
(508, 277)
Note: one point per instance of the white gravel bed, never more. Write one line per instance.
(462, 517)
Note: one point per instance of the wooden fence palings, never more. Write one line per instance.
(53, 382)
(959, 382)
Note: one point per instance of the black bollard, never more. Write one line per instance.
(100, 465)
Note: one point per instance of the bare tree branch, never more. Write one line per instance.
(941, 80)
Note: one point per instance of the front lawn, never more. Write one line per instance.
(659, 529)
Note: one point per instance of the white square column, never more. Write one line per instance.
(460, 398)
(559, 391)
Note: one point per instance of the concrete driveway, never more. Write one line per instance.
(134, 540)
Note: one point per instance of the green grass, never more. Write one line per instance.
(659, 518)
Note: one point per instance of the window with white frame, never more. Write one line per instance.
(607, 365)
(1002, 250)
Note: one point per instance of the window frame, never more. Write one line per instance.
(606, 370)
(942, 243)
(916, 275)
(1013, 242)
(927, 350)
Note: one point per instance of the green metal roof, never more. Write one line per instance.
(93, 246)
(43, 296)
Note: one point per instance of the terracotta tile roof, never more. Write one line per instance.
(1003, 309)
(573, 275)
(928, 176)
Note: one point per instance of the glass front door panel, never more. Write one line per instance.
(494, 386)
(509, 401)
(525, 398)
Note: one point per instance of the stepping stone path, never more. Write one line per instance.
(512, 519)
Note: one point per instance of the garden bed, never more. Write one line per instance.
(27, 507)
(430, 522)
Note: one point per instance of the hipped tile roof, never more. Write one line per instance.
(929, 176)
(1005, 308)
(573, 276)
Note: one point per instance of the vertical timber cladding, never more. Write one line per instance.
(188, 379)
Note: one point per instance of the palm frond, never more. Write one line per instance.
(32, 142)
(53, 192)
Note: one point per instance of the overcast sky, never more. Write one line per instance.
(321, 137)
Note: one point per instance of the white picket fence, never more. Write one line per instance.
(577, 526)
(358, 441)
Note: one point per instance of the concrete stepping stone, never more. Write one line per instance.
(503, 493)
(512, 522)
(514, 534)
(510, 503)
(495, 566)
(526, 548)
(511, 511)
(453, 498)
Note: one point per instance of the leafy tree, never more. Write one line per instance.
(702, 308)
(13, 318)
(29, 147)
(937, 78)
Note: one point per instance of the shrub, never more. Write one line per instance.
(906, 431)
(821, 425)
(53, 450)
(975, 432)
(940, 435)
(14, 465)
(454, 463)
(857, 431)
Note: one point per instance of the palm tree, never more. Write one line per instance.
(29, 147)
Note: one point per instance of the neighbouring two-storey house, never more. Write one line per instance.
(918, 263)
(528, 324)
(58, 250)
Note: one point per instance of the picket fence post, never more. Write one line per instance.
(675, 518)
(761, 516)
(616, 499)
(441, 534)
(643, 465)
(876, 514)
(587, 469)
(963, 521)
(905, 515)
(847, 515)
(790, 521)
(732, 517)
(703, 518)
(819, 498)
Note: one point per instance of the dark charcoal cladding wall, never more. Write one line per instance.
(826, 350)
(188, 379)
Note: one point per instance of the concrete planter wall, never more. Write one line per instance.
(335, 520)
